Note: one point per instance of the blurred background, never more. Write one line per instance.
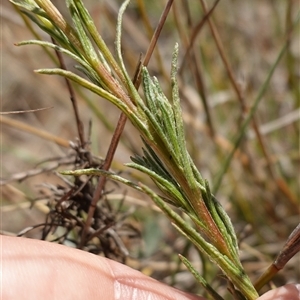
(223, 64)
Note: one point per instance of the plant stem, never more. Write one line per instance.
(120, 127)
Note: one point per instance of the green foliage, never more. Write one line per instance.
(159, 121)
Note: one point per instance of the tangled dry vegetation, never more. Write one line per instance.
(223, 64)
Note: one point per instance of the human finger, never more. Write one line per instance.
(42, 270)
(287, 292)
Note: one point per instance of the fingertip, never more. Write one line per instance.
(287, 292)
(132, 284)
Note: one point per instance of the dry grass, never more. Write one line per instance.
(260, 190)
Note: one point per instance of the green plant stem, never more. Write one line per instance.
(122, 120)
(59, 21)
(200, 279)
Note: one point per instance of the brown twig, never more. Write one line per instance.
(226, 63)
(79, 124)
(290, 248)
(195, 33)
(30, 173)
(195, 65)
(145, 19)
(154, 39)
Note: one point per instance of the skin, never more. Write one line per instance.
(41, 270)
